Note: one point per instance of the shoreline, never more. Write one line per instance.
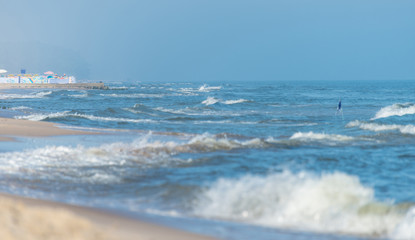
(24, 218)
(29, 218)
(11, 128)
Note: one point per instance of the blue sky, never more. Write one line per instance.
(210, 40)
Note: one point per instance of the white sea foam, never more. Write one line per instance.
(23, 96)
(305, 201)
(20, 108)
(230, 102)
(395, 110)
(206, 88)
(133, 95)
(406, 228)
(376, 127)
(62, 162)
(212, 100)
(40, 117)
(311, 136)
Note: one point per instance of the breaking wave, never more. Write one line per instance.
(397, 109)
(20, 108)
(212, 100)
(62, 162)
(206, 88)
(230, 102)
(24, 96)
(376, 127)
(311, 136)
(307, 202)
(41, 117)
(133, 95)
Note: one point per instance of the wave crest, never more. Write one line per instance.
(206, 88)
(311, 136)
(212, 100)
(396, 109)
(303, 201)
(376, 127)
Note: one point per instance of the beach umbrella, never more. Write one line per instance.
(3, 71)
(48, 73)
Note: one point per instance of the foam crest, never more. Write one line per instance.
(41, 117)
(206, 88)
(207, 142)
(311, 136)
(405, 229)
(20, 108)
(230, 102)
(303, 201)
(133, 95)
(210, 101)
(376, 127)
(397, 109)
(24, 96)
(63, 162)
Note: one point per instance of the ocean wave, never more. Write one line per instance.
(133, 95)
(206, 88)
(198, 112)
(82, 94)
(307, 202)
(41, 117)
(396, 109)
(311, 136)
(121, 88)
(20, 108)
(24, 96)
(377, 127)
(62, 162)
(230, 102)
(212, 100)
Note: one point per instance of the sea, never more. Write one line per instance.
(232, 160)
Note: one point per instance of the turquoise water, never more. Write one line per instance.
(236, 161)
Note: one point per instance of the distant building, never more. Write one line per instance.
(47, 77)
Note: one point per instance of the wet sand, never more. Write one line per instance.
(10, 128)
(25, 218)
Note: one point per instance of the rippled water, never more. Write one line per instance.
(269, 160)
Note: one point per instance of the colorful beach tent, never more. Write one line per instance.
(48, 73)
(3, 71)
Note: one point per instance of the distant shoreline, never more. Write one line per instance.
(54, 85)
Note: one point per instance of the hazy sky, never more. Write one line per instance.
(210, 40)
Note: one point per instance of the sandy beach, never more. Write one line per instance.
(25, 218)
(10, 128)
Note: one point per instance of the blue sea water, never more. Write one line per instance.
(258, 160)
